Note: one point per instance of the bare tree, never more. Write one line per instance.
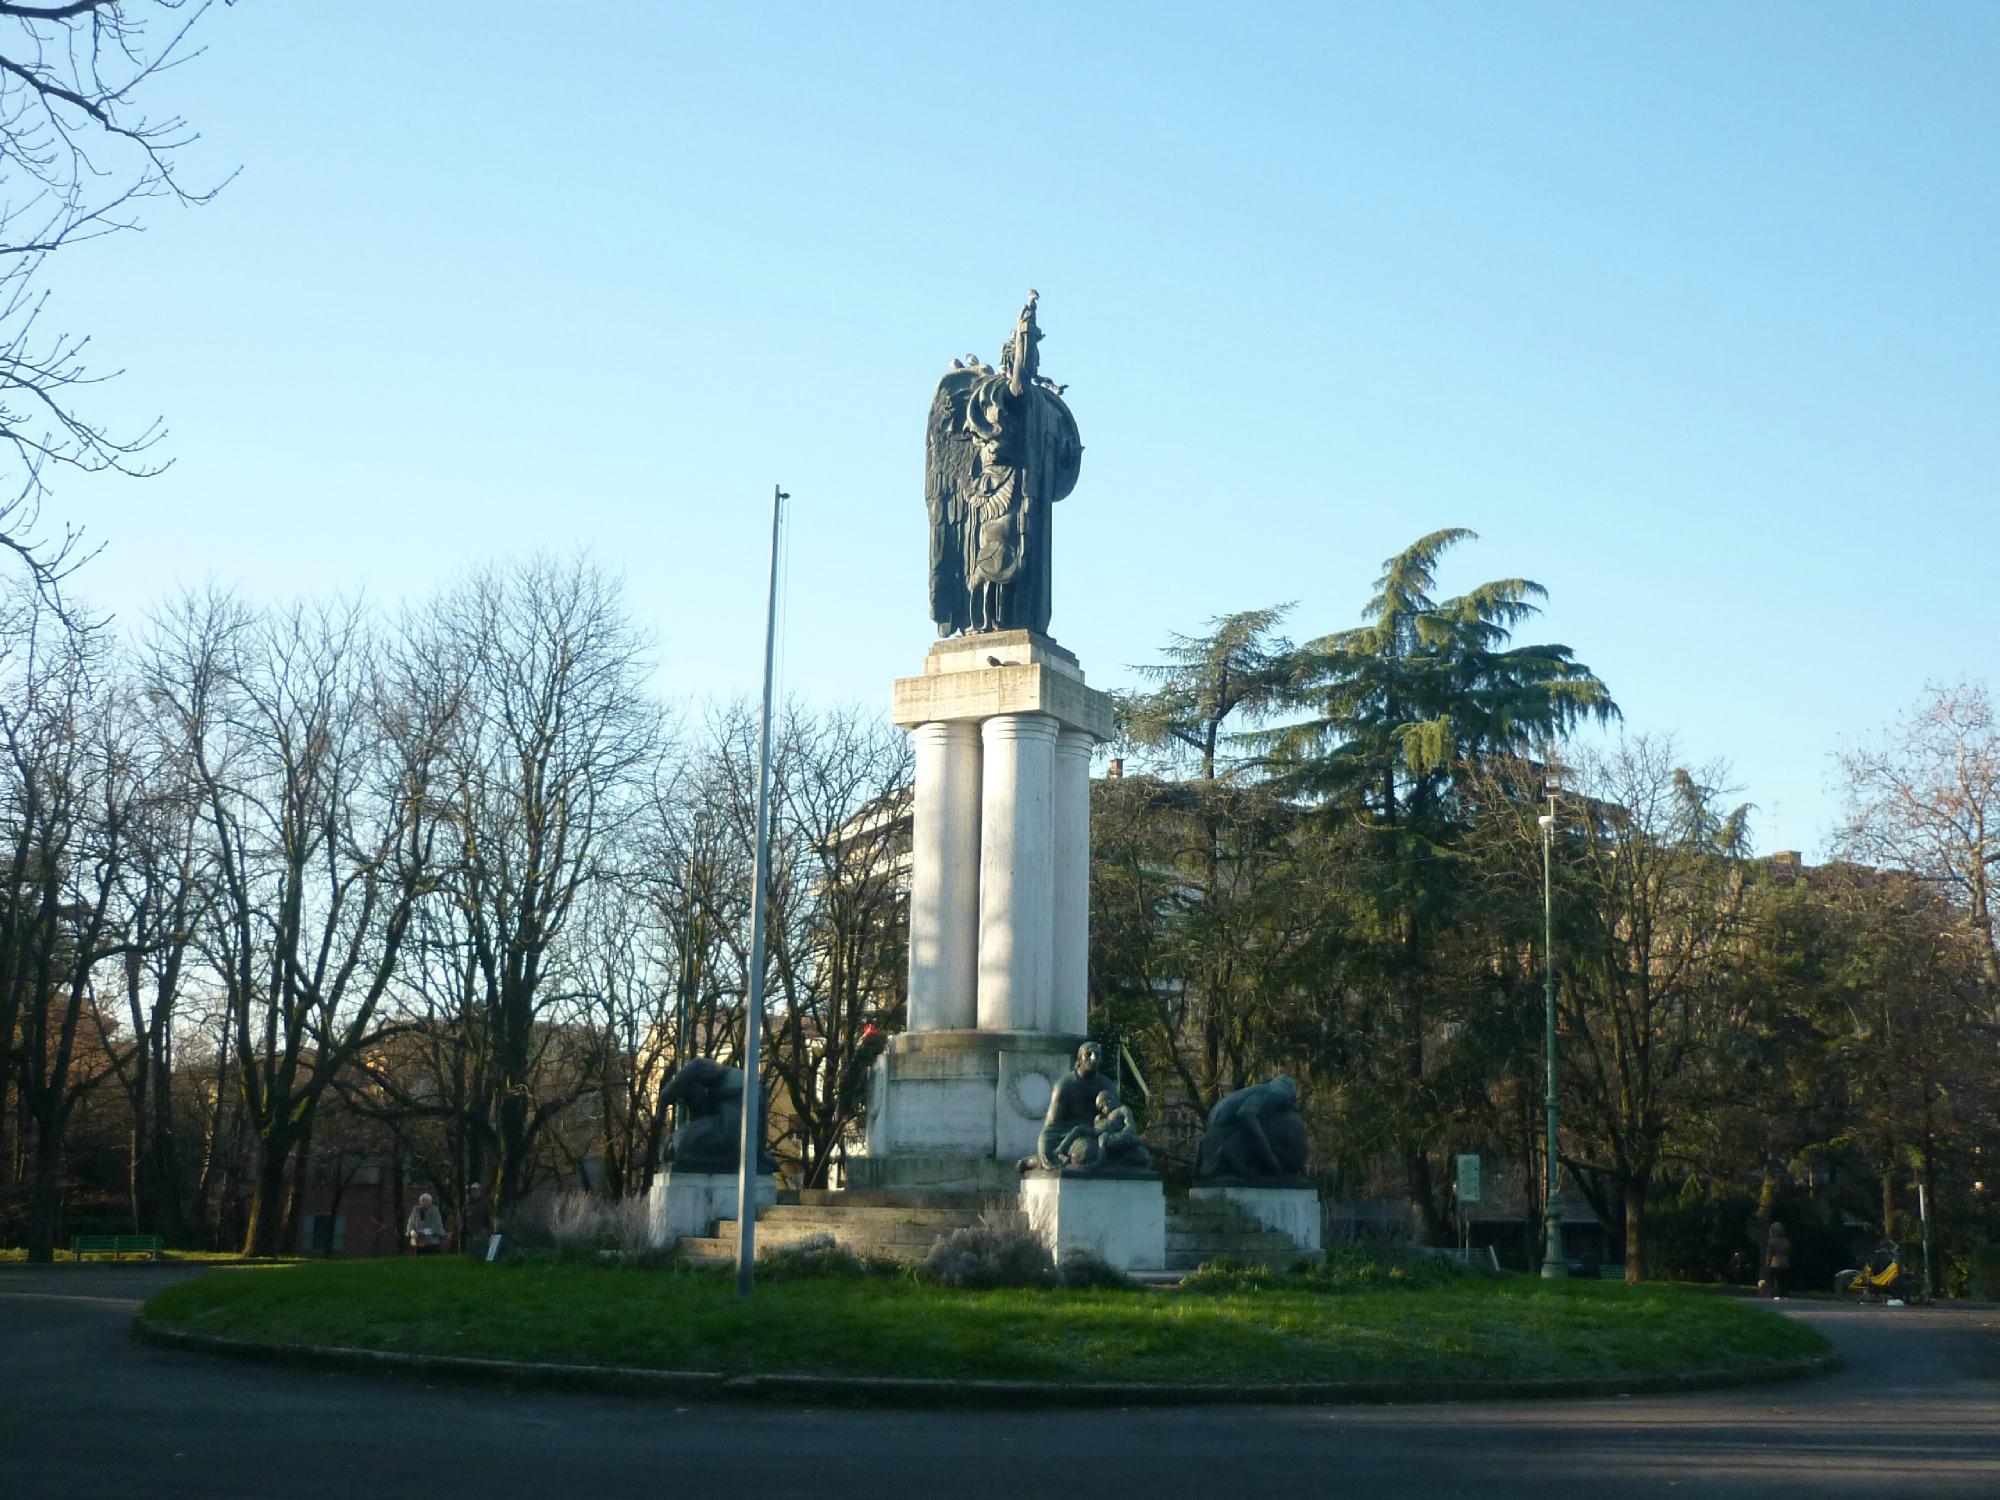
(636, 972)
(168, 877)
(836, 919)
(78, 158)
(551, 751)
(1925, 798)
(314, 781)
(70, 793)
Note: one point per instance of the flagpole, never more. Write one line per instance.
(751, 1145)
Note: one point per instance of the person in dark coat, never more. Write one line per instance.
(1777, 1259)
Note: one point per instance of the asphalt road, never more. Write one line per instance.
(84, 1410)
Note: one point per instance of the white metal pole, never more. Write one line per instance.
(1924, 1226)
(1553, 1265)
(751, 1145)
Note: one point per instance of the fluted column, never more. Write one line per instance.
(944, 877)
(1069, 990)
(1016, 888)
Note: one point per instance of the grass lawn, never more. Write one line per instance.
(1473, 1328)
(18, 1256)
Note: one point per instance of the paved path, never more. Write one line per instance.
(84, 1410)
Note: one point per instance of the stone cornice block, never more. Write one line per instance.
(987, 692)
(1000, 648)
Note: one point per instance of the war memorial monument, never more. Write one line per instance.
(994, 1087)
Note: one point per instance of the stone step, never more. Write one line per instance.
(903, 1224)
(1231, 1244)
(1228, 1231)
(709, 1251)
(723, 1252)
(904, 1198)
(853, 1235)
(931, 1172)
(881, 1214)
(721, 1248)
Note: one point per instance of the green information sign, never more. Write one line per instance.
(1468, 1179)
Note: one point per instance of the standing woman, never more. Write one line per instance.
(1777, 1259)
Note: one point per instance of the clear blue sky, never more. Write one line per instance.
(1689, 310)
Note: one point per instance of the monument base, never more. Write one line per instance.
(963, 1095)
(1289, 1207)
(1120, 1220)
(690, 1204)
(938, 1172)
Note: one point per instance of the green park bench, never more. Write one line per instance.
(118, 1246)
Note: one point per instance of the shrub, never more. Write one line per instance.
(1982, 1272)
(629, 1223)
(820, 1256)
(582, 1225)
(988, 1255)
(579, 1222)
(1080, 1268)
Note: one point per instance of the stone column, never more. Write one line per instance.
(944, 878)
(1016, 889)
(1069, 991)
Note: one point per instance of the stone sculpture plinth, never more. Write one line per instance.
(1121, 1218)
(1289, 1207)
(1003, 727)
(690, 1204)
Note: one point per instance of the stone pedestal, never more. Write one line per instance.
(974, 1096)
(691, 1203)
(1120, 1220)
(1289, 1207)
(1003, 727)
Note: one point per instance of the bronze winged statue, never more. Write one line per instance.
(1001, 448)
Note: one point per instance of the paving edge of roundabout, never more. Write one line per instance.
(875, 1390)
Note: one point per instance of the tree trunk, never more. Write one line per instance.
(45, 1200)
(263, 1234)
(1423, 1198)
(1635, 1222)
(164, 1181)
(513, 1113)
(295, 1200)
(8, 1142)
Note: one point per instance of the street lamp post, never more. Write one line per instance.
(1553, 1265)
(750, 1145)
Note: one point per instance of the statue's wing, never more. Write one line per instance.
(947, 451)
(948, 460)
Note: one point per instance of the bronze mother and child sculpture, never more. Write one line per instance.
(1255, 1134)
(1086, 1128)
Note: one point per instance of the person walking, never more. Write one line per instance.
(426, 1227)
(1777, 1260)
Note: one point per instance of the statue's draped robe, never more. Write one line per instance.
(995, 465)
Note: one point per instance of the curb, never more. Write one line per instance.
(876, 1390)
